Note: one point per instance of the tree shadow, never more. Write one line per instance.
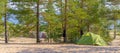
(73, 49)
(30, 43)
(18, 44)
(92, 49)
(67, 48)
(39, 50)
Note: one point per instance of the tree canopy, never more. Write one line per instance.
(60, 18)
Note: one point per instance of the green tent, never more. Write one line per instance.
(91, 39)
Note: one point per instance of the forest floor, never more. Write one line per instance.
(28, 45)
(116, 42)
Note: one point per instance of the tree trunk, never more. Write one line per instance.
(114, 29)
(64, 35)
(37, 23)
(88, 28)
(81, 32)
(5, 24)
(62, 20)
(65, 22)
(49, 31)
(80, 28)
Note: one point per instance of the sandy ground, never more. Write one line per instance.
(116, 42)
(28, 45)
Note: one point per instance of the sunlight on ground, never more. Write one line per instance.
(28, 45)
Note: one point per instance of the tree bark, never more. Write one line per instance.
(88, 28)
(37, 23)
(81, 32)
(5, 24)
(114, 29)
(65, 22)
